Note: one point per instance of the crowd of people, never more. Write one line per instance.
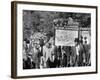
(48, 55)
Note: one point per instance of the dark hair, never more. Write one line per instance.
(76, 40)
(85, 42)
(49, 44)
(81, 41)
(27, 41)
(85, 37)
(81, 37)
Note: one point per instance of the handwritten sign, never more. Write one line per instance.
(65, 37)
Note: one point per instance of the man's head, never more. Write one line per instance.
(76, 41)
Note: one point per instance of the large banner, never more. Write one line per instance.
(65, 37)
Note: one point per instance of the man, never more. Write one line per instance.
(53, 56)
(46, 54)
(76, 52)
(41, 43)
(65, 56)
(81, 53)
(26, 54)
(36, 55)
(87, 53)
(49, 55)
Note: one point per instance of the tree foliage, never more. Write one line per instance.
(42, 21)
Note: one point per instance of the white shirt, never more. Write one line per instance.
(77, 50)
(46, 53)
(49, 53)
